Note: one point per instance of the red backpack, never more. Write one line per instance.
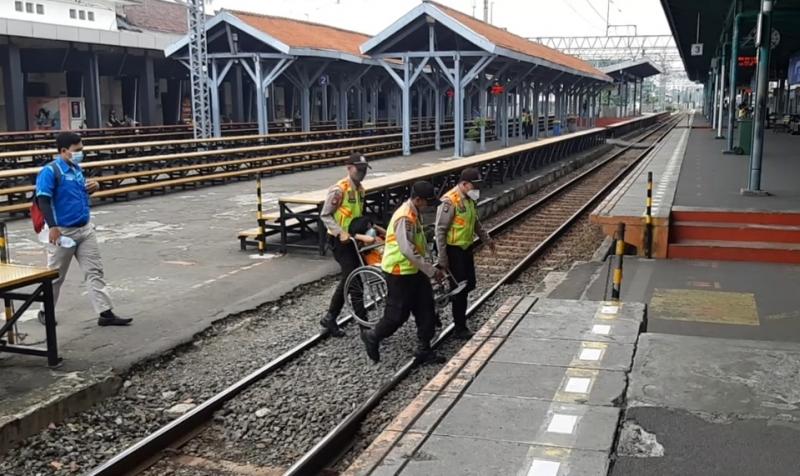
(37, 217)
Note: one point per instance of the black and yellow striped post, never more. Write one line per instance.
(262, 235)
(616, 284)
(5, 258)
(648, 218)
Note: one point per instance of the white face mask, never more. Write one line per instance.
(474, 194)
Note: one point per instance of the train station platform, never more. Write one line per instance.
(536, 391)
(699, 210)
(172, 264)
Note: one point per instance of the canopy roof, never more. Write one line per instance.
(716, 17)
(456, 31)
(639, 69)
(282, 35)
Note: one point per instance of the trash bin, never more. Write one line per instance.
(745, 136)
(572, 124)
(556, 128)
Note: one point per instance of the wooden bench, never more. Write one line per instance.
(253, 236)
(331, 152)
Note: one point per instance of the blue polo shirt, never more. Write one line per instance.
(70, 198)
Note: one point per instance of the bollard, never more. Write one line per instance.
(262, 234)
(5, 257)
(616, 286)
(648, 218)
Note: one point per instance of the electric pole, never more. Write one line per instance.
(198, 69)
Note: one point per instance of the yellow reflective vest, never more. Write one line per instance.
(352, 205)
(395, 262)
(462, 229)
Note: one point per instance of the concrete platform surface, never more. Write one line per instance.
(711, 179)
(541, 404)
(711, 406)
(737, 300)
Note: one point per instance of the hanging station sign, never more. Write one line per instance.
(497, 89)
(747, 61)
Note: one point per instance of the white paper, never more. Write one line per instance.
(590, 354)
(543, 467)
(601, 329)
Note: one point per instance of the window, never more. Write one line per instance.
(39, 9)
(82, 14)
(91, 16)
(29, 7)
(18, 6)
(72, 13)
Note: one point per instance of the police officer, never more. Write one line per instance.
(408, 277)
(456, 226)
(344, 203)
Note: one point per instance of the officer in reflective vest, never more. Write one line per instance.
(344, 203)
(456, 226)
(408, 277)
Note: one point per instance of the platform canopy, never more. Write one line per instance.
(634, 69)
(436, 43)
(268, 47)
(715, 23)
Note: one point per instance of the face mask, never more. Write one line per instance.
(371, 232)
(474, 194)
(359, 175)
(77, 157)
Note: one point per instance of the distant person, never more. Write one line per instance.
(524, 121)
(113, 120)
(62, 194)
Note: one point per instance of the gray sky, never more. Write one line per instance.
(524, 17)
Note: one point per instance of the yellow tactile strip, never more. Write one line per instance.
(696, 305)
(408, 430)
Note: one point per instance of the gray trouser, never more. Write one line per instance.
(87, 253)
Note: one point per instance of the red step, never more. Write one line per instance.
(728, 235)
(731, 216)
(735, 251)
(694, 230)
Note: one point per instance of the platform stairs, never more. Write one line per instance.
(760, 236)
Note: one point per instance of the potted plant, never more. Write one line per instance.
(471, 142)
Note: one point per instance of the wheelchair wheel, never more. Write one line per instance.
(365, 295)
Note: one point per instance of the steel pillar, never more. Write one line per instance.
(237, 94)
(721, 110)
(198, 69)
(147, 92)
(91, 91)
(762, 83)
(13, 88)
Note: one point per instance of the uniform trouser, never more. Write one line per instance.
(462, 266)
(346, 255)
(409, 293)
(87, 253)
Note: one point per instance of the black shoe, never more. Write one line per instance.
(428, 357)
(41, 319)
(371, 343)
(108, 318)
(329, 323)
(462, 333)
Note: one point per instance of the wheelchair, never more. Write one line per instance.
(366, 286)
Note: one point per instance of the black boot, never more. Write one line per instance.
(462, 332)
(108, 318)
(426, 355)
(329, 323)
(372, 344)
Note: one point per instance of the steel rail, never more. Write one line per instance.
(145, 452)
(334, 443)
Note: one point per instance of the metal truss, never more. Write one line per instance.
(198, 70)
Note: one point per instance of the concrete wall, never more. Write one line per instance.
(57, 12)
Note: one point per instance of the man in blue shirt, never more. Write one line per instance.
(62, 194)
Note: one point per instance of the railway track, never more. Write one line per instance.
(531, 227)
